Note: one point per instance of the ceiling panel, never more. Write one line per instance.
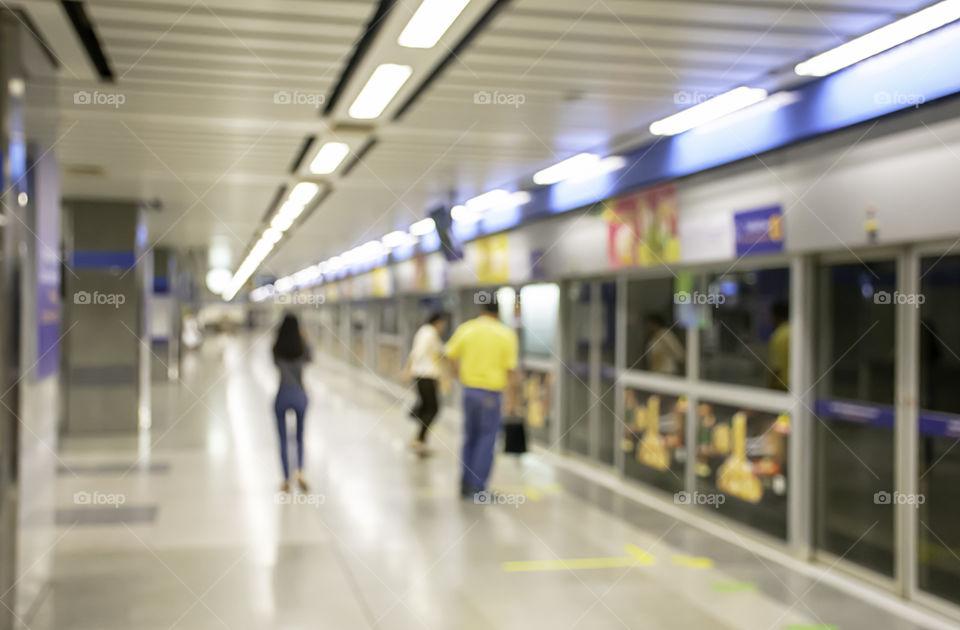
(203, 115)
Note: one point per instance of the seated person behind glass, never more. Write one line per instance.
(664, 351)
(780, 347)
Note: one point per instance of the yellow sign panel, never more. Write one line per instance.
(492, 259)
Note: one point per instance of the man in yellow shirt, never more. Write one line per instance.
(486, 351)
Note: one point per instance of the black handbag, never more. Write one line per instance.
(514, 436)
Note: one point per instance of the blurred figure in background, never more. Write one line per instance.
(780, 347)
(664, 351)
(291, 353)
(425, 365)
(486, 353)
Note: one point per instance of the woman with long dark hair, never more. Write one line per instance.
(425, 366)
(290, 353)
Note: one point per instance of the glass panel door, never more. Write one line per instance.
(578, 399)
(854, 423)
(607, 403)
(939, 419)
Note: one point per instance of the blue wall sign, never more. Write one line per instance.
(759, 231)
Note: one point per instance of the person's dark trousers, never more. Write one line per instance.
(296, 399)
(481, 423)
(428, 406)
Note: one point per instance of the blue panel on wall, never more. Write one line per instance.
(103, 260)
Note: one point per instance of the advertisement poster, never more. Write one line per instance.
(492, 259)
(759, 231)
(382, 282)
(642, 228)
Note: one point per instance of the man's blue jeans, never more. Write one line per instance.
(481, 423)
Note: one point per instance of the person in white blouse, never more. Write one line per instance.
(426, 366)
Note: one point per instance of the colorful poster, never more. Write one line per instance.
(642, 228)
(759, 231)
(382, 282)
(492, 259)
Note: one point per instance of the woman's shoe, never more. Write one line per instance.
(304, 486)
(285, 486)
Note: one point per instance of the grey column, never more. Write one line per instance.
(29, 322)
(107, 344)
(13, 149)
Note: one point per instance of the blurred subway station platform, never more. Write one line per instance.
(480, 314)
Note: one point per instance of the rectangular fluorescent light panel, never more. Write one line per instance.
(708, 111)
(380, 89)
(303, 193)
(423, 227)
(328, 158)
(430, 22)
(565, 169)
(884, 38)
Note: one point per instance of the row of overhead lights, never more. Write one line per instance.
(577, 168)
(425, 29)
(843, 56)
(296, 202)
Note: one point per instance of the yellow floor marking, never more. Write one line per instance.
(637, 558)
(640, 555)
(691, 562)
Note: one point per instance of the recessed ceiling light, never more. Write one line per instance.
(565, 169)
(430, 22)
(398, 239)
(708, 111)
(329, 157)
(461, 214)
(884, 38)
(380, 89)
(423, 227)
(303, 193)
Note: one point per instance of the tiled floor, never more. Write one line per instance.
(183, 529)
